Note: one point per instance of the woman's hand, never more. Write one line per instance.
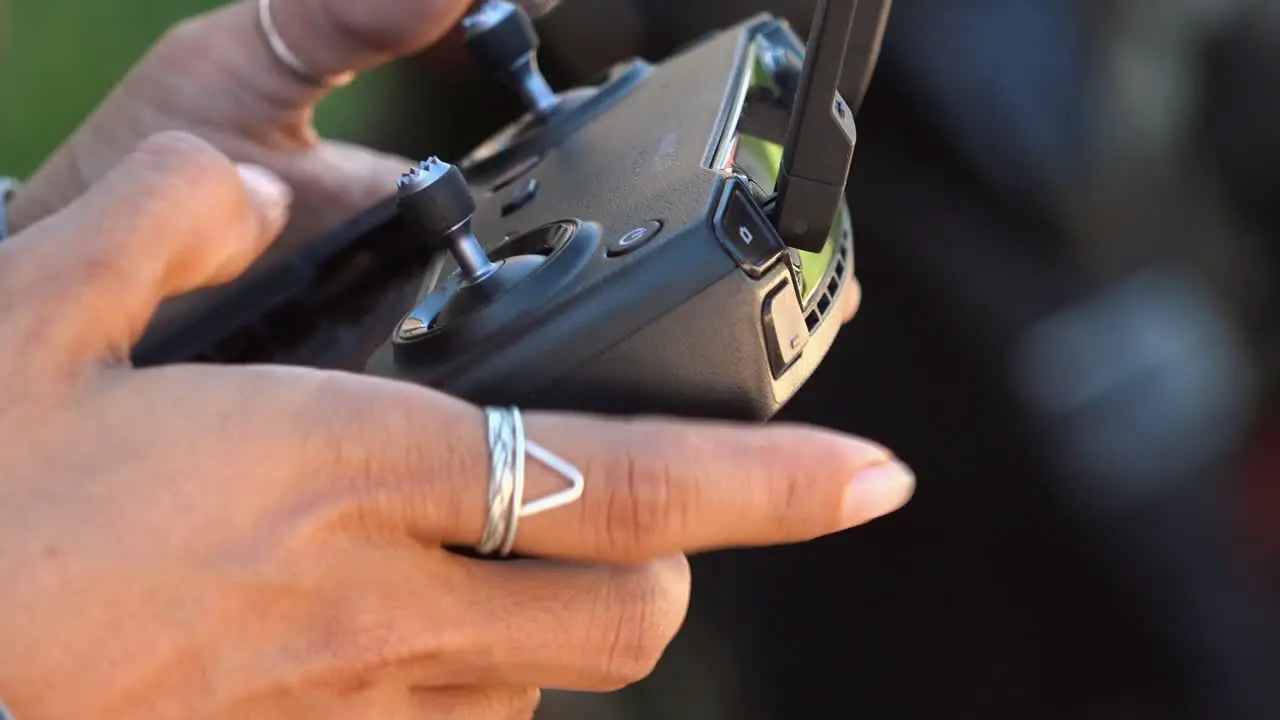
(214, 76)
(212, 542)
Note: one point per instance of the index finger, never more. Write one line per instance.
(660, 486)
(653, 486)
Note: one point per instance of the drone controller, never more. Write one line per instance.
(672, 240)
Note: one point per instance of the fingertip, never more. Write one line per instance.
(854, 288)
(876, 491)
(851, 480)
(875, 481)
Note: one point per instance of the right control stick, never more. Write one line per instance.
(436, 203)
(434, 198)
(503, 40)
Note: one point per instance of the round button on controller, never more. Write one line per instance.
(633, 239)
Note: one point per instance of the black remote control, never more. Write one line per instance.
(683, 248)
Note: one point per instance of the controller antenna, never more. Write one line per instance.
(434, 198)
(503, 40)
(818, 149)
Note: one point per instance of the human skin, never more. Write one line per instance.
(269, 542)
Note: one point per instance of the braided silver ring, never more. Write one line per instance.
(280, 49)
(508, 448)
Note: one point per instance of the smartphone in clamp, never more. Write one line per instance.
(675, 240)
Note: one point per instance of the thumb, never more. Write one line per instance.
(173, 217)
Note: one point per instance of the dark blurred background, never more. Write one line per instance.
(1067, 218)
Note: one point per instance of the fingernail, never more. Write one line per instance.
(877, 491)
(271, 194)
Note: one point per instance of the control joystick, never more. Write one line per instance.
(502, 39)
(686, 248)
(435, 201)
(437, 205)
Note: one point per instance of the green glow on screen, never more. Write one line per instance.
(760, 160)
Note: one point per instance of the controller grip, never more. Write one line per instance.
(192, 327)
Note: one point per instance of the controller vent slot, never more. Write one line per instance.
(828, 297)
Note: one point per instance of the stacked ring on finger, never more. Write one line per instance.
(497, 526)
(508, 448)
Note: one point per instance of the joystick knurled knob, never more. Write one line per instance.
(503, 41)
(500, 35)
(435, 200)
(435, 197)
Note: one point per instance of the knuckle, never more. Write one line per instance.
(384, 425)
(178, 151)
(179, 191)
(333, 425)
(184, 163)
(645, 510)
(345, 648)
(653, 601)
(785, 505)
(360, 639)
(374, 440)
(185, 182)
(101, 268)
(792, 502)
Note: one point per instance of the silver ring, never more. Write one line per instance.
(288, 58)
(501, 483)
(508, 448)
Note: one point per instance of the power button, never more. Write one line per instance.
(633, 239)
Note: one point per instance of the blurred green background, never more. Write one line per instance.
(59, 58)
